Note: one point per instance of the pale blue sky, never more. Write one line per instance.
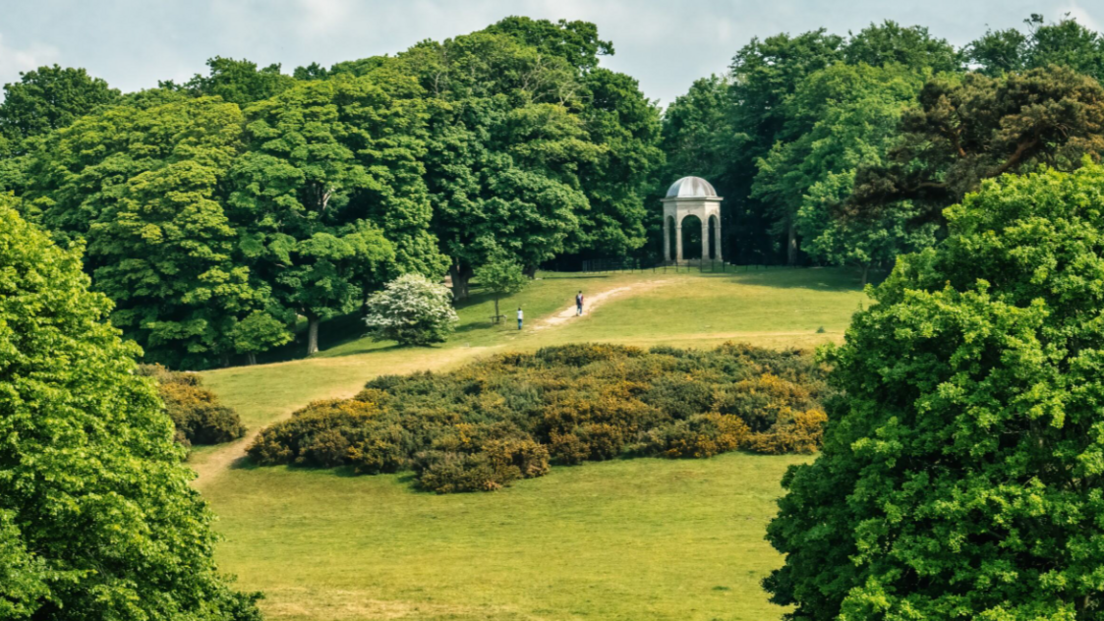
(666, 44)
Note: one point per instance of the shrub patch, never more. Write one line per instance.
(510, 416)
(196, 413)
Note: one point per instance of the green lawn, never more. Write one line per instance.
(636, 539)
(621, 540)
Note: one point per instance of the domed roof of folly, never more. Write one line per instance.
(691, 187)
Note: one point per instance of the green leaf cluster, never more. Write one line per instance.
(961, 471)
(97, 518)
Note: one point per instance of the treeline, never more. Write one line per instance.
(217, 212)
(845, 150)
(509, 417)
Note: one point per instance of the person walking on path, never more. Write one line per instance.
(579, 304)
(521, 317)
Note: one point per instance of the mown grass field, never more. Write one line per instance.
(637, 539)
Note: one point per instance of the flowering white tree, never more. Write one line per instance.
(411, 310)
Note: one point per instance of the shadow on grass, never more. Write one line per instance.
(331, 333)
(346, 329)
(584, 275)
(811, 278)
(244, 463)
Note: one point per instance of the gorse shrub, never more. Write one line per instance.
(195, 411)
(508, 417)
(701, 435)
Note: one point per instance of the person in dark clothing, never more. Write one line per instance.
(579, 303)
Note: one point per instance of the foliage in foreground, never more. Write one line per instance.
(196, 413)
(510, 416)
(97, 520)
(411, 310)
(961, 476)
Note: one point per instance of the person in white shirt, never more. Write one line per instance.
(521, 317)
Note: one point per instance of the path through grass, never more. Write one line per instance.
(639, 539)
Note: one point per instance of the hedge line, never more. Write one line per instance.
(512, 415)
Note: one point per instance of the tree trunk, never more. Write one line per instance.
(460, 275)
(865, 273)
(497, 316)
(252, 358)
(531, 270)
(312, 335)
(791, 246)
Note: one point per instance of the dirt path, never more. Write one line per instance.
(209, 466)
(593, 302)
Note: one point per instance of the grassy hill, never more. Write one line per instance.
(618, 540)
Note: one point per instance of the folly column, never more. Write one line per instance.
(678, 241)
(691, 196)
(705, 239)
(666, 238)
(717, 239)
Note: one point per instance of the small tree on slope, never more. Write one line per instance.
(962, 475)
(97, 520)
(501, 276)
(411, 310)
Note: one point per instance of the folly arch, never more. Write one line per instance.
(691, 196)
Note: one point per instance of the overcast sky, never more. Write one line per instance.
(666, 44)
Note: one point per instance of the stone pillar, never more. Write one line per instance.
(678, 241)
(717, 239)
(705, 238)
(666, 238)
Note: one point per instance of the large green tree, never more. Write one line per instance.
(531, 149)
(961, 471)
(722, 127)
(97, 519)
(970, 128)
(49, 98)
(1065, 43)
(765, 74)
(617, 181)
(144, 187)
(851, 113)
(330, 194)
(237, 81)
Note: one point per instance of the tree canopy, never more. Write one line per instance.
(49, 98)
(1065, 43)
(1023, 97)
(97, 519)
(969, 128)
(960, 475)
(246, 191)
(142, 188)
